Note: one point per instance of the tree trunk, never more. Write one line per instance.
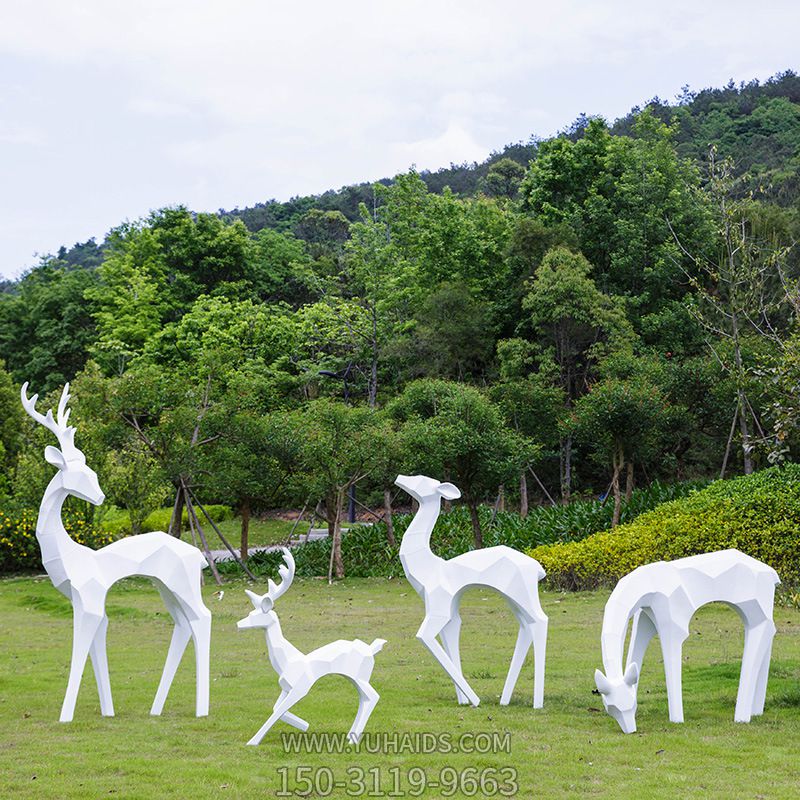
(745, 431)
(476, 525)
(244, 510)
(629, 483)
(566, 469)
(338, 564)
(501, 498)
(523, 494)
(387, 508)
(618, 462)
(177, 513)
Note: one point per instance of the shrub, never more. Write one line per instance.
(758, 514)
(19, 550)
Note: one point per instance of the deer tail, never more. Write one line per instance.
(376, 646)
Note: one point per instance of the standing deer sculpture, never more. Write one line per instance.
(441, 584)
(298, 672)
(84, 575)
(662, 598)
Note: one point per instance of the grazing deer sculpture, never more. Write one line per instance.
(441, 583)
(662, 598)
(298, 672)
(84, 575)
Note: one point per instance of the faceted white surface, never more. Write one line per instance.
(441, 583)
(298, 672)
(662, 598)
(85, 575)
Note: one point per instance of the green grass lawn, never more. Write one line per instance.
(570, 748)
(262, 531)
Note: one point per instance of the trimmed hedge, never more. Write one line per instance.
(758, 514)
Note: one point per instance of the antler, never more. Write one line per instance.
(286, 571)
(59, 426)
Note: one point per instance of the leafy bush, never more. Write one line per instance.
(758, 514)
(366, 551)
(19, 550)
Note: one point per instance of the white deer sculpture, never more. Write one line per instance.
(298, 672)
(662, 598)
(84, 575)
(441, 583)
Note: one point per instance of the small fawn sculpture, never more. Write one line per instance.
(298, 672)
(662, 598)
(84, 575)
(441, 583)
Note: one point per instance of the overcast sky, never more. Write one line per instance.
(110, 109)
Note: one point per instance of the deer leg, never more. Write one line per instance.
(281, 707)
(757, 645)
(642, 631)
(539, 635)
(367, 700)
(292, 719)
(84, 630)
(450, 641)
(672, 652)
(760, 693)
(99, 657)
(181, 634)
(201, 634)
(524, 641)
(427, 633)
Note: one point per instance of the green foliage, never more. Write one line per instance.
(19, 550)
(756, 514)
(367, 553)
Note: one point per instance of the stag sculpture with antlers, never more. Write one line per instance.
(84, 575)
(298, 672)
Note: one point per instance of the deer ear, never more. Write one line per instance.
(266, 603)
(54, 456)
(631, 676)
(603, 684)
(448, 491)
(255, 599)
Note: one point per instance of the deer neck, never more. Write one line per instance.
(415, 549)
(281, 651)
(624, 601)
(54, 541)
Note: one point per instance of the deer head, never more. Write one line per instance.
(77, 478)
(619, 696)
(262, 615)
(422, 488)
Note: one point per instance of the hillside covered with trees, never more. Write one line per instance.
(575, 316)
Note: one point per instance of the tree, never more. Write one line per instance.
(575, 324)
(253, 462)
(337, 450)
(621, 421)
(455, 431)
(738, 295)
(504, 178)
(133, 479)
(623, 196)
(46, 328)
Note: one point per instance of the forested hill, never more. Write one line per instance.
(756, 124)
